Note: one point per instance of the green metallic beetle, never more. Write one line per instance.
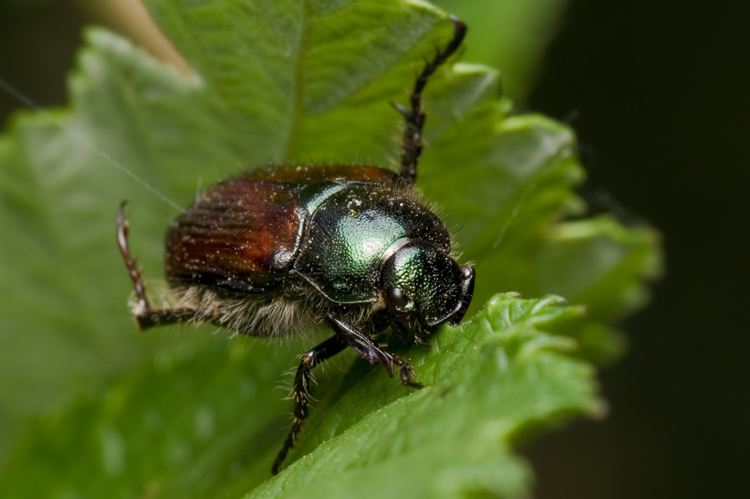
(281, 251)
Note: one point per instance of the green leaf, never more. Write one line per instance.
(483, 394)
(279, 82)
(168, 431)
(604, 265)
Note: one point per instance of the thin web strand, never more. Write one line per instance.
(81, 139)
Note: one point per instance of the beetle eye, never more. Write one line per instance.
(395, 300)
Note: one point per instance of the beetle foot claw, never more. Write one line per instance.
(407, 373)
(388, 367)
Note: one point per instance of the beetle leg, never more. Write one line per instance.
(371, 351)
(400, 330)
(301, 391)
(420, 342)
(413, 144)
(146, 316)
(404, 333)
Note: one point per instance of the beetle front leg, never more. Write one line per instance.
(371, 351)
(146, 316)
(416, 336)
(301, 391)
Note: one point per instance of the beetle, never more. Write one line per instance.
(280, 251)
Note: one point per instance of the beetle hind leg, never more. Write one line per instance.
(145, 314)
(301, 391)
(413, 144)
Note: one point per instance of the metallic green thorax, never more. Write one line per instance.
(352, 229)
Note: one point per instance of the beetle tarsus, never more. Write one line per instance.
(123, 226)
(145, 315)
(407, 373)
(288, 444)
(413, 143)
(301, 391)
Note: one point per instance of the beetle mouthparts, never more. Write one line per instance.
(467, 291)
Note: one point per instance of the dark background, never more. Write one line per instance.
(658, 93)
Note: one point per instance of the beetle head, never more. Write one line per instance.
(424, 287)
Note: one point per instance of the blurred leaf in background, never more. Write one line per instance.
(279, 82)
(510, 35)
